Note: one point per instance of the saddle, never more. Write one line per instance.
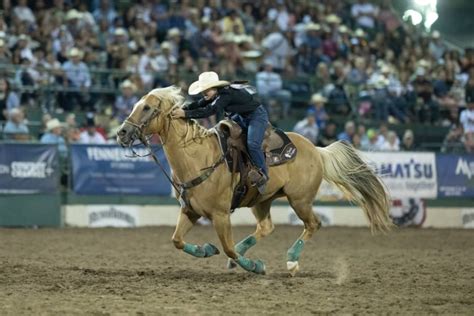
(277, 147)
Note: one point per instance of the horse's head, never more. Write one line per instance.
(149, 115)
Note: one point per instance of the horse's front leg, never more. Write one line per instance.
(223, 228)
(186, 221)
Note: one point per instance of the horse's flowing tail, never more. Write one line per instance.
(343, 167)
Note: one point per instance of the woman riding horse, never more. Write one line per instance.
(241, 103)
(194, 151)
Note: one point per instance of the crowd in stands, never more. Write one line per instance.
(359, 61)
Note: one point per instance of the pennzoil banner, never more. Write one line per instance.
(106, 170)
(28, 168)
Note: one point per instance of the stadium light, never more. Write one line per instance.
(415, 16)
(430, 18)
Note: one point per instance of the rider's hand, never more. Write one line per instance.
(177, 113)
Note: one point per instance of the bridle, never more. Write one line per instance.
(179, 187)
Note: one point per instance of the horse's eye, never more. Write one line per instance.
(146, 107)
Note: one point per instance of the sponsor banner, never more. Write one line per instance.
(406, 174)
(106, 169)
(112, 216)
(28, 168)
(455, 175)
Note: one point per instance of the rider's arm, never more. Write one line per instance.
(196, 104)
(220, 102)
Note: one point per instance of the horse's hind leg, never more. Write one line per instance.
(223, 228)
(304, 210)
(265, 227)
(185, 222)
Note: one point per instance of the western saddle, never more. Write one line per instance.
(276, 145)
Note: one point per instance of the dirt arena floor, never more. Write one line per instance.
(138, 272)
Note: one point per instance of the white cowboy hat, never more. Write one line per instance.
(75, 52)
(332, 18)
(206, 81)
(318, 97)
(312, 27)
(52, 124)
(128, 84)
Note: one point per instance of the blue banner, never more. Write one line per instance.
(455, 175)
(106, 169)
(28, 168)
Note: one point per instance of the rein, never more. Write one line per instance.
(179, 187)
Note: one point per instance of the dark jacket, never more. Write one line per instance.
(228, 99)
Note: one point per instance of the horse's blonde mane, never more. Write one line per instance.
(173, 95)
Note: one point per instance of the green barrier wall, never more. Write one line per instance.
(30, 210)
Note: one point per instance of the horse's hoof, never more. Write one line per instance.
(259, 267)
(293, 267)
(231, 264)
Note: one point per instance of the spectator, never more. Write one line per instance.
(365, 14)
(437, 47)
(270, 86)
(90, 135)
(308, 127)
(53, 135)
(361, 132)
(391, 143)
(16, 128)
(77, 77)
(124, 103)
(408, 141)
(372, 144)
(8, 99)
(454, 141)
(318, 102)
(278, 49)
(349, 131)
(357, 141)
(427, 108)
(467, 115)
(328, 136)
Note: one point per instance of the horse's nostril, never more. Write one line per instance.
(122, 132)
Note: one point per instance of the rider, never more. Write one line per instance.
(241, 104)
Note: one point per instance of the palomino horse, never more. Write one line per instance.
(190, 149)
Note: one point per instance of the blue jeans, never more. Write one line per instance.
(255, 123)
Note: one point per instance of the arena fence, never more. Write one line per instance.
(98, 185)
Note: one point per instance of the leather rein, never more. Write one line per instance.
(179, 187)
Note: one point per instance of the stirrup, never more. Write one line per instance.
(256, 177)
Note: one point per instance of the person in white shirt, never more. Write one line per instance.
(467, 116)
(391, 143)
(24, 13)
(270, 86)
(308, 127)
(364, 13)
(90, 134)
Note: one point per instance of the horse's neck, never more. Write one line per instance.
(187, 157)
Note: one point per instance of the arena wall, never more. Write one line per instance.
(101, 215)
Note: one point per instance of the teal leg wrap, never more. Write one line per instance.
(207, 250)
(256, 266)
(245, 244)
(295, 251)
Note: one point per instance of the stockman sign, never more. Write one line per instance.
(455, 175)
(107, 169)
(406, 174)
(28, 168)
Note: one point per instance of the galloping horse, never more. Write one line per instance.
(190, 149)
